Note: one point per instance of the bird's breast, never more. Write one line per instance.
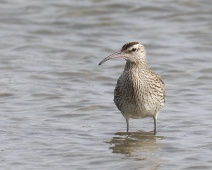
(138, 93)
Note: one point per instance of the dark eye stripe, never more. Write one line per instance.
(134, 49)
(128, 45)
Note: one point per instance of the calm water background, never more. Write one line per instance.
(57, 109)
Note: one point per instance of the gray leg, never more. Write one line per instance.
(127, 121)
(155, 125)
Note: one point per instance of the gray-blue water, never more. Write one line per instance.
(56, 103)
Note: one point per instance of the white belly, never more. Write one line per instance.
(140, 110)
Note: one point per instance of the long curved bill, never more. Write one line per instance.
(114, 55)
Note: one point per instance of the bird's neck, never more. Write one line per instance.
(135, 65)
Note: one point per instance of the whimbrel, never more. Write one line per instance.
(139, 92)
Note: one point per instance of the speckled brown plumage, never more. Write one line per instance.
(139, 92)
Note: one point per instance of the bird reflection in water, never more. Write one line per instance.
(137, 145)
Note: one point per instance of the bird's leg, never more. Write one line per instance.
(155, 125)
(127, 121)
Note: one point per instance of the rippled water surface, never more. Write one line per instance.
(57, 109)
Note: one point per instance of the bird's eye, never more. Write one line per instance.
(134, 49)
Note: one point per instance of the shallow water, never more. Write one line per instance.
(57, 109)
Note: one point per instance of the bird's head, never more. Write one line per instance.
(132, 52)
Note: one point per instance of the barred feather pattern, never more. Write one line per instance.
(139, 92)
